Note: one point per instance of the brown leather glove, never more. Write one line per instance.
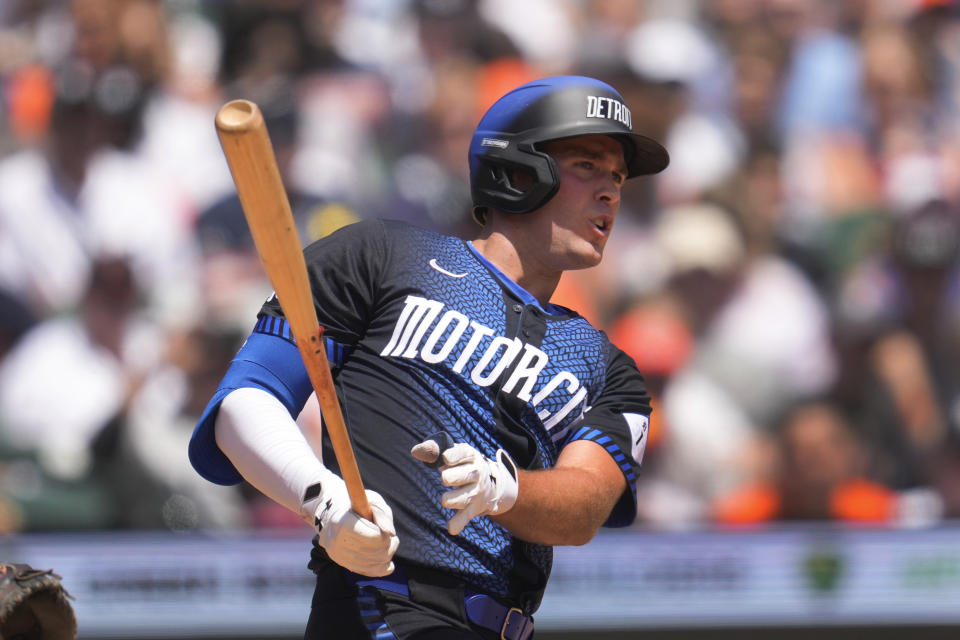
(34, 605)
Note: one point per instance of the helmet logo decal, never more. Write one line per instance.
(494, 142)
(609, 108)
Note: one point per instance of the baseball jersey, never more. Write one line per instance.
(424, 335)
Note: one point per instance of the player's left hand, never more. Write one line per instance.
(481, 486)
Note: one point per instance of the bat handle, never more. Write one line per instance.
(319, 372)
(360, 504)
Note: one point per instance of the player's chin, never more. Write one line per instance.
(596, 252)
(590, 256)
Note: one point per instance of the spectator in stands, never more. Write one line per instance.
(897, 327)
(60, 447)
(762, 342)
(158, 425)
(81, 195)
(817, 469)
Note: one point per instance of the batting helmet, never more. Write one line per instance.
(554, 108)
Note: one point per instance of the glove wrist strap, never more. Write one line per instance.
(510, 489)
(315, 494)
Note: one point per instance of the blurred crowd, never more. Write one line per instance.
(788, 286)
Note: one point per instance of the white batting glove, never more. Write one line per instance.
(351, 541)
(482, 486)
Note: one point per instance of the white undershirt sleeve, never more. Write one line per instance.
(255, 431)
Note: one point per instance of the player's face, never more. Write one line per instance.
(579, 218)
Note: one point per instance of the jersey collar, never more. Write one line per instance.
(525, 296)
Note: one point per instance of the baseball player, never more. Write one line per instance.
(488, 424)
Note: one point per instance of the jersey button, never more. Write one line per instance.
(518, 308)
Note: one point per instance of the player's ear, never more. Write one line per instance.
(479, 215)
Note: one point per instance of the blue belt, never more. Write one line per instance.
(482, 610)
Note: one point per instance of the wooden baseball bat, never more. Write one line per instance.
(246, 145)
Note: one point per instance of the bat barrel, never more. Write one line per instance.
(239, 115)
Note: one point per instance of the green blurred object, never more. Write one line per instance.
(823, 569)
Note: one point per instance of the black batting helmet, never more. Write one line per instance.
(549, 109)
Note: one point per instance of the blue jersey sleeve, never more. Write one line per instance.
(267, 361)
(343, 270)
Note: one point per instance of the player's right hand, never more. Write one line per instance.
(353, 542)
(481, 486)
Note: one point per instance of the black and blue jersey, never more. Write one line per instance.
(425, 335)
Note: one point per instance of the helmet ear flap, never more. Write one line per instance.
(500, 175)
(495, 184)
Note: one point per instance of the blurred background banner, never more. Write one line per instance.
(254, 585)
(789, 286)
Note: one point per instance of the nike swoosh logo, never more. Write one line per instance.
(433, 263)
